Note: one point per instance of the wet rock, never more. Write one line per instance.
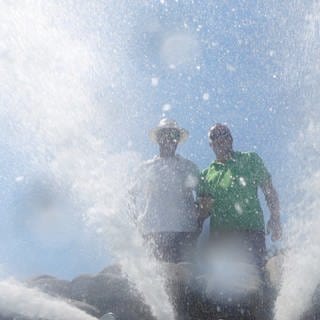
(97, 294)
(51, 285)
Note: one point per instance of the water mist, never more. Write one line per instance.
(300, 274)
(50, 69)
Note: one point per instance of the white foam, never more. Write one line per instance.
(50, 68)
(19, 300)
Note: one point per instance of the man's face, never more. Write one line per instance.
(221, 142)
(168, 137)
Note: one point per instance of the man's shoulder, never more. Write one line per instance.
(210, 168)
(187, 163)
(156, 161)
(253, 162)
(247, 155)
(143, 166)
(150, 162)
(244, 153)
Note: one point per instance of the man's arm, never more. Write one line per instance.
(204, 199)
(134, 192)
(272, 199)
(204, 207)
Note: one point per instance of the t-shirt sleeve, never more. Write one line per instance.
(193, 176)
(135, 182)
(261, 174)
(203, 189)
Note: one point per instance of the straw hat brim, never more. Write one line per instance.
(184, 134)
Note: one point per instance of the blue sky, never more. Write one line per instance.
(239, 67)
(205, 61)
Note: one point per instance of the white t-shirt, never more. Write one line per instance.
(164, 195)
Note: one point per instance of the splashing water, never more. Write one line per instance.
(300, 274)
(35, 304)
(53, 75)
(301, 265)
(49, 106)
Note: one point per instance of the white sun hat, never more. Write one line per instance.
(168, 124)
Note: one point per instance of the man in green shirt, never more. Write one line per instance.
(228, 192)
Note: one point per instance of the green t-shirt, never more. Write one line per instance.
(234, 187)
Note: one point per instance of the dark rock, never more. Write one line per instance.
(51, 285)
(110, 291)
(106, 291)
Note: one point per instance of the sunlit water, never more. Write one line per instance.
(60, 86)
(34, 304)
(50, 69)
(300, 274)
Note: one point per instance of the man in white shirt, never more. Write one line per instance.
(164, 197)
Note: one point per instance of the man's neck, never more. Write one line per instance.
(166, 153)
(224, 157)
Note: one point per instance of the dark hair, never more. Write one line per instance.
(217, 131)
